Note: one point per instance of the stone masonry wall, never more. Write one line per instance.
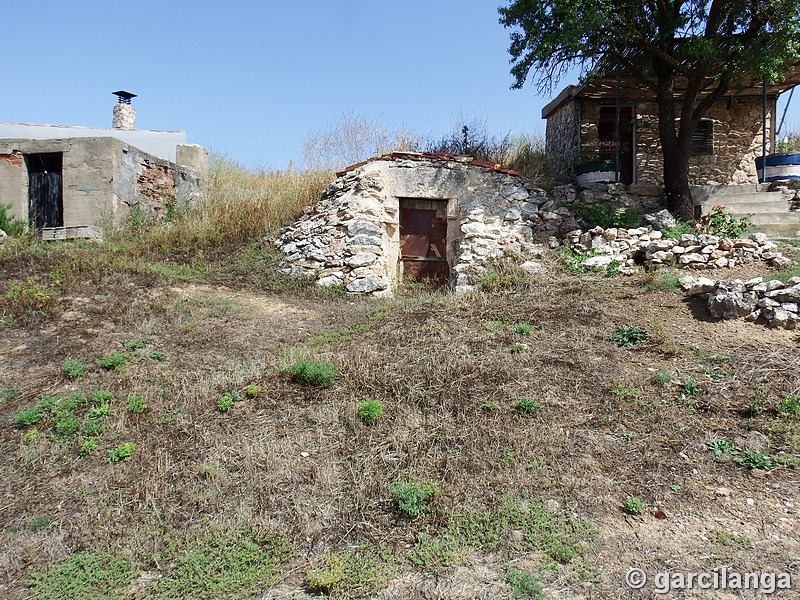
(562, 141)
(352, 237)
(737, 141)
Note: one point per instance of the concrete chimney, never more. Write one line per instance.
(124, 113)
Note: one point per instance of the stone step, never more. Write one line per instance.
(746, 208)
(776, 218)
(780, 232)
(707, 193)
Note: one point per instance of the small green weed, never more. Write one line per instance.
(722, 447)
(680, 228)
(113, 362)
(318, 374)
(633, 505)
(489, 406)
(759, 403)
(517, 348)
(754, 459)
(730, 539)
(523, 328)
(88, 446)
(789, 408)
(625, 337)
(370, 411)
(95, 575)
(412, 495)
(133, 345)
(136, 404)
(690, 387)
(122, 452)
(252, 390)
(525, 584)
(724, 224)
(527, 405)
(227, 400)
(73, 368)
(625, 390)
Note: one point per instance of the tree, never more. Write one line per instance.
(700, 50)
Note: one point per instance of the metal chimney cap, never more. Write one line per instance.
(124, 97)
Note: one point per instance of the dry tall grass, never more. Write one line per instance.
(241, 205)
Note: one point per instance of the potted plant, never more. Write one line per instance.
(596, 164)
(783, 164)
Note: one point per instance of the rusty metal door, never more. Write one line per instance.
(423, 245)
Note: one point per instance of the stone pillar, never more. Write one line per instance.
(124, 117)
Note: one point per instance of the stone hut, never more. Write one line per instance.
(402, 216)
(72, 181)
(582, 126)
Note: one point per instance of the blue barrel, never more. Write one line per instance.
(777, 167)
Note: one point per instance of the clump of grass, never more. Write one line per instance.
(121, 453)
(528, 585)
(370, 411)
(73, 368)
(558, 537)
(789, 408)
(224, 564)
(310, 372)
(136, 404)
(625, 337)
(690, 387)
(527, 405)
(358, 572)
(662, 378)
(523, 328)
(634, 505)
(492, 281)
(489, 406)
(89, 574)
(412, 495)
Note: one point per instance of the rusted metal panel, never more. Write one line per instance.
(415, 231)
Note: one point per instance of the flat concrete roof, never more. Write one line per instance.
(158, 143)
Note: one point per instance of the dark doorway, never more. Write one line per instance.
(423, 240)
(45, 190)
(608, 135)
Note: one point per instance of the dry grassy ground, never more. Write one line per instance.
(528, 503)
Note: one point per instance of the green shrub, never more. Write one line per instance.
(312, 372)
(527, 405)
(370, 411)
(11, 225)
(28, 416)
(625, 337)
(411, 495)
(73, 368)
(525, 584)
(88, 446)
(67, 424)
(724, 224)
(122, 452)
(89, 575)
(92, 427)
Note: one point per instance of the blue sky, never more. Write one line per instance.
(250, 79)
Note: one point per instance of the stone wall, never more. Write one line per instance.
(352, 237)
(737, 135)
(563, 143)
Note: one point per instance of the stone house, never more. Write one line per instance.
(73, 181)
(407, 215)
(582, 120)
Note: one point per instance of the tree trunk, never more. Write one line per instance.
(676, 184)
